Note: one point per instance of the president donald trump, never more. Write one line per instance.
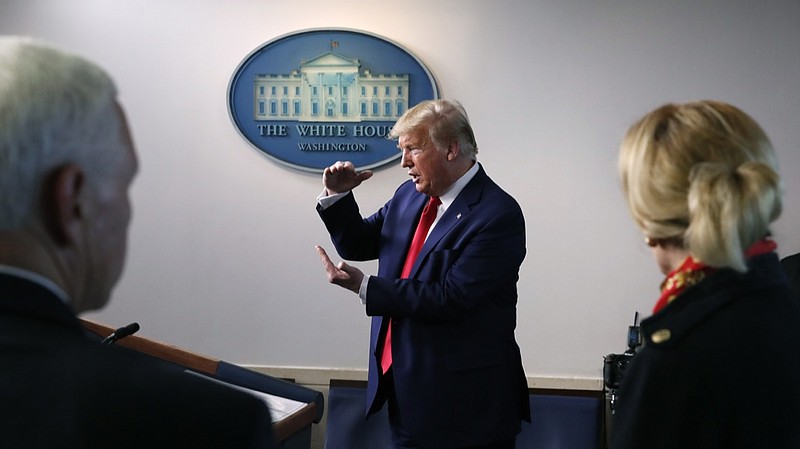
(449, 243)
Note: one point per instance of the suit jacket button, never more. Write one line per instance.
(661, 336)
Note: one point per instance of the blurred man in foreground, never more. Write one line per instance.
(66, 164)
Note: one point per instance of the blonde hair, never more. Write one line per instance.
(703, 173)
(444, 119)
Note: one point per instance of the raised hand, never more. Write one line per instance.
(343, 274)
(342, 177)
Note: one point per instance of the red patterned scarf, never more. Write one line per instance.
(692, 271)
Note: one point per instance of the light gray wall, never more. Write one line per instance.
(222, 254)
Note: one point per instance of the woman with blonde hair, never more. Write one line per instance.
(720, 366)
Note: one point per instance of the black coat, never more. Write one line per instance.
(720, 367)
(791, 265)
(59, 388)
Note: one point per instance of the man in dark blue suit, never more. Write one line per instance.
(454, 377)
(66, 165)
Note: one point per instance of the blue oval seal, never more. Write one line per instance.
(314, 97)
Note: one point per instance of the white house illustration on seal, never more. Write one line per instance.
(330, 88)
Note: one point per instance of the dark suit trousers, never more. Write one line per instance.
(400, 436)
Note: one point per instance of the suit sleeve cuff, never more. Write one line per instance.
(326, 201)
(362, 291)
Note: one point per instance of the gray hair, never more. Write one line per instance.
(55, 109)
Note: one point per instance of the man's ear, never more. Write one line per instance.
(63, 203)
(453, 149)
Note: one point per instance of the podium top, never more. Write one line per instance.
(292, 406)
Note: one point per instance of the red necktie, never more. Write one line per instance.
(425, 222)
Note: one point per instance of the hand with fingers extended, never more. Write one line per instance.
(342, 177)
(343, 275)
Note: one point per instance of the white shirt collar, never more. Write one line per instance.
(448, 197)
(37, 279)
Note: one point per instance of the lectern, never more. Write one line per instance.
(294, 407)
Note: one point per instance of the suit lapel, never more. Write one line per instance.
(458, 211)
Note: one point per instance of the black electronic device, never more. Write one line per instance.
(615, 366)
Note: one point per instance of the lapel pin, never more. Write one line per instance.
(458, 216)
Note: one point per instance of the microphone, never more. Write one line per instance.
(122, 332)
